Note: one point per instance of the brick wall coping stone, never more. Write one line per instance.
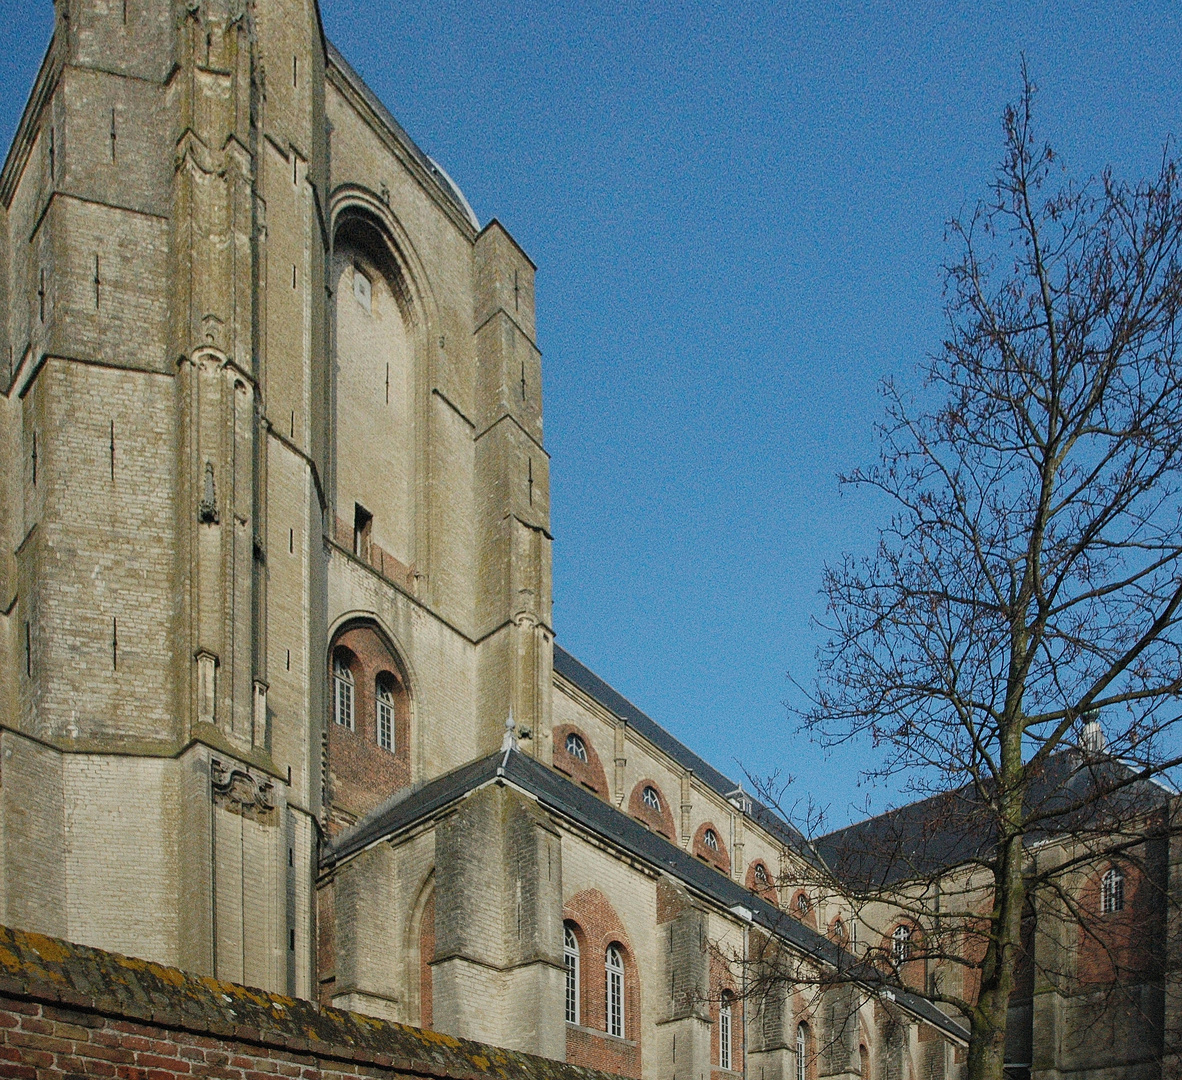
(56, 972)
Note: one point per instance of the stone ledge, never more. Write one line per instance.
(54, 972)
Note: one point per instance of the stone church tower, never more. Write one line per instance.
(272, 407)
(275, 575)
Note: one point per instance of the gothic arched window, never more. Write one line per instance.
(710, 839)
(570, 955)
(651, 799)
(724, 1033)
(802, 1052)
(576, 747)
(1112, 891)
(385, 713)
(342, 692)
(901, 944)
(614, 966)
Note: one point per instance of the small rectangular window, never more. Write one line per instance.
(362, 289)
(362, 530)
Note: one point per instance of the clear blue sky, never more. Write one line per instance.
(738, 215)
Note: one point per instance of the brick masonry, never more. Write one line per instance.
(69, 1012)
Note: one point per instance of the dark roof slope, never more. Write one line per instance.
(602, 818)
(1075, 792)
(615, 702)
(47, 969)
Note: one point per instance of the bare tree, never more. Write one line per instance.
(1027, 590)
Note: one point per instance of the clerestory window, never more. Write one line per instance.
(576, 747)
(724, 1034)
(710, 839)
(651, 799)
(385, 715)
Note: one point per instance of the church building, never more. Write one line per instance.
(280, 696)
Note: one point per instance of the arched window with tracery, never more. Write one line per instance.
(342, 691)
(724, 1033)
(384, 697)
(614, 970)
(576, 747)
(651, 799)
(1112, 891)
(901, 945)
(570, 954)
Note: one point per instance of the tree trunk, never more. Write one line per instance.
(987, 1046)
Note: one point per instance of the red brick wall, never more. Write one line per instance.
(658, 820)
(1117, 947)
(426, 955)
(722, 982)
(597, 926)
(766, 891)
(589, 773)
(361, 774)
(68, 1012)
(719, 859)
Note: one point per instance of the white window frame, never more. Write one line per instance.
(614, 971)
(710, 839)
(342, 694)
(802, 1051)
(724, 1034)
(570, 956)
(901, 944)
(1112, 891)
(653, 803)
(579, 744)
(384, 716)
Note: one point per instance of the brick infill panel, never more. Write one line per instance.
(73, 1012)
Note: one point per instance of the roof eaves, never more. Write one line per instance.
(442, 181)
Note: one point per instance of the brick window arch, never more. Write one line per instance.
(659, 818)
(598, 931)
(802, 907)
(368, 746)
(726, 1018)
(709, 847)
(903, 951)
(574, 755)
(761, 882)
(1118, 936)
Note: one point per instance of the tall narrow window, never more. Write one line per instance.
(1112, 891)
(362, 531)
(615, 992)
(802, 1052)
(570, 955)
(385, 718)
(724, 1034)
(901, 944)
(342, 693)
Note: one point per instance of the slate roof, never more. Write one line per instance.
(588, 811)
(591, 684)
(1075, 792)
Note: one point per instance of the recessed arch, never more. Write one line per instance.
(368, 745)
